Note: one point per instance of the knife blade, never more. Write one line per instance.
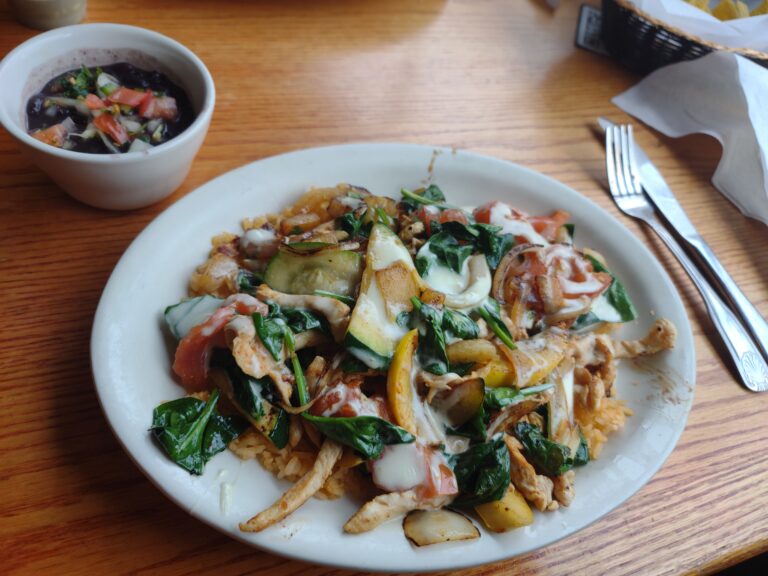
(665, 201)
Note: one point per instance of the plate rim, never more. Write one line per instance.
(685, 333)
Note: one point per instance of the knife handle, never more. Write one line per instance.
(730, 292)
(749, 363)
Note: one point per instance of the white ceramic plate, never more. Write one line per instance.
(131, 359)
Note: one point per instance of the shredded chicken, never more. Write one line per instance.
(254, 359)
(564, 490)
(303, 490)
(535, 488)
(662, 336)
(387, 506)
(337, 313)
(511, 414)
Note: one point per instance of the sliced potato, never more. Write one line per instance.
(425, 527)
(477, 351)
(511, 512)
(397, 286)
(399, 386)
(299, 223)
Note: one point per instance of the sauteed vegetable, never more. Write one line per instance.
(443, 363)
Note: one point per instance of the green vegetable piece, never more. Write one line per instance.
(490, 311)
(366, 434)
(616, 297)
(302, 273)
(354, 225)
(482, 473)
(248, 281)
(501, 397)
(548, 457)
(270, 331)
(348, 300)
(431, 351)
(448, 251)
(459, 325)
(582, 452)
(191, 431)
(301, 381)
(182, 317)
(79, 84)
(431, 196)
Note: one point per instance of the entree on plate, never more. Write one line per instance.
(438, 362)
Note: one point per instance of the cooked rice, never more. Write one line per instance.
(610, 416)
(292, 463)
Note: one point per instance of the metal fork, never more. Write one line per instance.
(629, 196)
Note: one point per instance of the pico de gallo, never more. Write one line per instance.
(108, 110)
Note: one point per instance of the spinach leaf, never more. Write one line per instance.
(430, 196)
(582, 452)
(191, 431)
(501, 397)
(354, 225)
(482, 473)
(248, 281)
(484, 238)
(490, 311)
(270, 331)
(548, 457)
(493, 245)
(462, 369)
(301, 319)
(449, 251)
(431, 350)
(616, 296)
(366, 434)
(348, 300)
(459, 325)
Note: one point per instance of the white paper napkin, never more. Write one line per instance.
(725, 96)
(740, 33)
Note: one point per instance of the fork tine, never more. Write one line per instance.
(621, 181)
(610, 163)
(629, 185)
(633, 170)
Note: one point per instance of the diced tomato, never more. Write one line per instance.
(483, 213)
(192, 353)
(453, 215)
(430, 214)
(94, 102)
(548, 226)
(158, 107)
(54, 135)
(441, 481)
(111, 127)
(127, 97)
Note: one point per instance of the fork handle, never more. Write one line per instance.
(747, 359)
(730, 292)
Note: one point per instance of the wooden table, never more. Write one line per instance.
(497, 77)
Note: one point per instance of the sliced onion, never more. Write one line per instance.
(425, 527)
(500, 276)
(111, 147)
(131, 126)
(153, 124)
(139, 145)
(107, 84)
(79, 105)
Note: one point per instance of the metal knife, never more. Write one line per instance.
(659, 192)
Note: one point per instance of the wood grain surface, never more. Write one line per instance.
(497, 77)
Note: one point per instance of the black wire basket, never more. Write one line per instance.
(643, 43)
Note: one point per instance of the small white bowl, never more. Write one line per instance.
(113, 181)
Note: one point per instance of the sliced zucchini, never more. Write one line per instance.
(333, 270)
(252, 397)
(373, 332)
(182, 317)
